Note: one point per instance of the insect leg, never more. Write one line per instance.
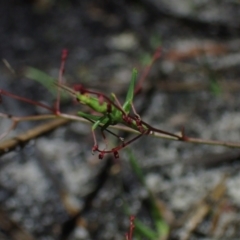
(94, 118)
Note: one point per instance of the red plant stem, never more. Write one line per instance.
(152, 129)
(147, 69)
(60, 78)
(118, 148)
(129, 235)
(23, 99)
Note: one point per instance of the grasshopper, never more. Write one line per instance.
(110, 112)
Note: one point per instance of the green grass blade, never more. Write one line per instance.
(143, 230)
(41, 77)
(130, 93)
(215, 88)
(45, 80)
(162, 227)
(136, 168)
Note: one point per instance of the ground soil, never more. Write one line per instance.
(54, 188)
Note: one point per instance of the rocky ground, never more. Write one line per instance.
(54, 188)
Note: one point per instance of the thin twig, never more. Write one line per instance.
(203, 208)
(25, 137)
(11, 144)
(12, 229)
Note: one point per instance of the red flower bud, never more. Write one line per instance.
(94, 149)
(101, 155)
(64, 54)
(116, 155)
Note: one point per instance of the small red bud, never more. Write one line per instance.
(101, 155)
(116, 154)
(94, 149)
(132, 218)
(64, 54)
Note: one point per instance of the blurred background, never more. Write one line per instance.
(54, 188)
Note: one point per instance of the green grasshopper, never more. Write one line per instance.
(111, 113)
(109, 110)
